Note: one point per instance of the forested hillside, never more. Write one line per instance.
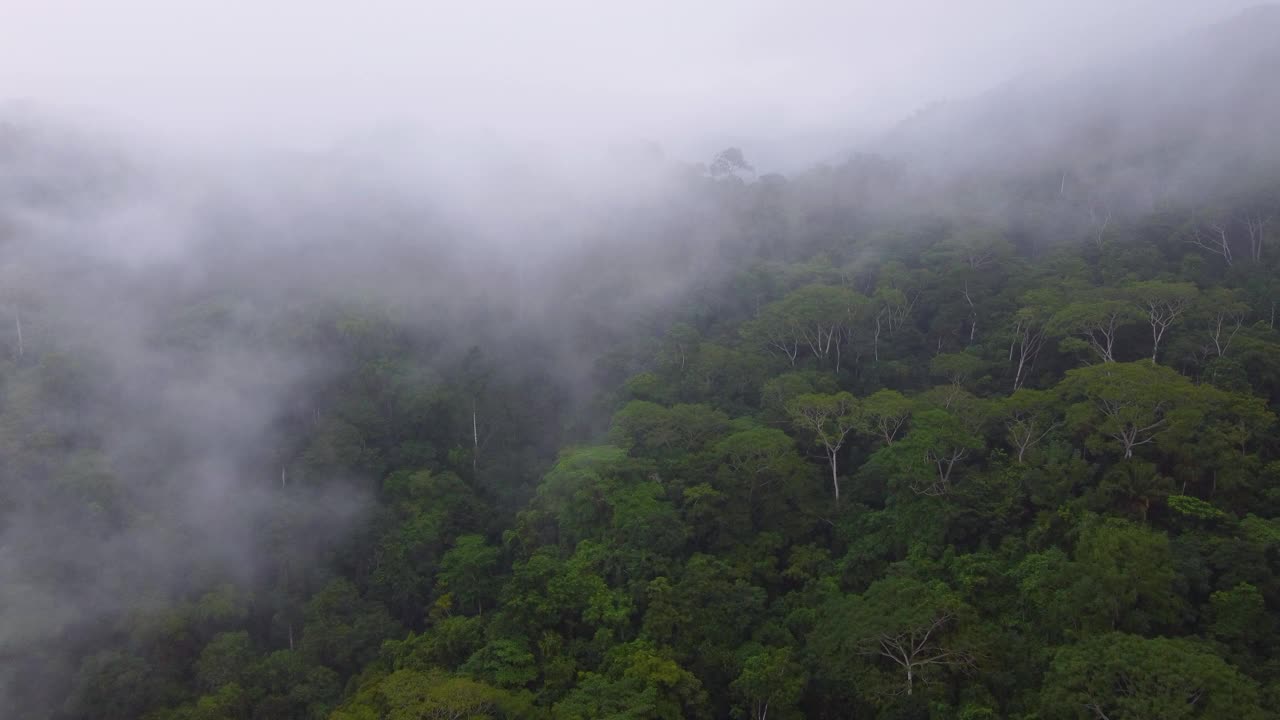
(883, 439)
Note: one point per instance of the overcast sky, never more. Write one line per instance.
(303, 73)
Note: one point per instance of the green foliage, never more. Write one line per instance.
(828, 420)
(505, 662)
(897, 636)
(1125, 576)
(930, 459)
(1055, 491)
(468, 572)
(226, 660)
(636, 682)
(884, 415)
(1240, 614)
(113, 686)
(1093, 326)
(1124, 677)
(771, 683)
(1125, 406)
(1193, 507)
(344, 631)
(959, 369)
(413, 695)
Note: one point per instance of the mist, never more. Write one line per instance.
(213, 219)
(691, 79)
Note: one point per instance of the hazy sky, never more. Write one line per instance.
(304, 72)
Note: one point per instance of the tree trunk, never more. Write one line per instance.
(835, 482)
(875, 339)
(475, 439)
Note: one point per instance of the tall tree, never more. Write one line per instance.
(771, 681)
(1129, 404)
(929, 456)
(828, 419)
(1028, 331)
(910, 626)
(884, 415)
(1126, 677)
(1028, 416)
(1221, 312)
(1163, 304)
(1095, 324)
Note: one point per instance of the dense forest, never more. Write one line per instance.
(880, 439)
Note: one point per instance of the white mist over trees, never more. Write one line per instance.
(504, 362)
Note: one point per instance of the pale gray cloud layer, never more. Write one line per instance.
(306, 72)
